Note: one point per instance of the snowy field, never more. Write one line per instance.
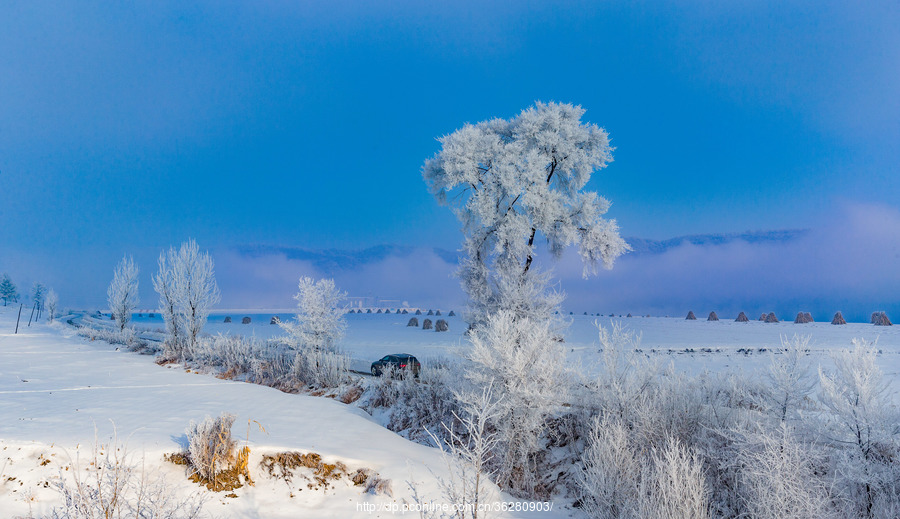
(666, 339)
(60, 392)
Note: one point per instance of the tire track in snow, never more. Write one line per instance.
(91, 388)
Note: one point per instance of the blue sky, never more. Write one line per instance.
(125, 128)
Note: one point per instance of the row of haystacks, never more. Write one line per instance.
(878, 318)
(440, 326)
(400, 311)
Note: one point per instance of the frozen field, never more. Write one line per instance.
(371, 336)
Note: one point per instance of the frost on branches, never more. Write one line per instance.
(186, 284)
(510, 181)
(315, 332)
(122, 293)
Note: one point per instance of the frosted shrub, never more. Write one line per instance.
(673, 485)
(789, 377)
(111, 485)
(863, 426)
(609, 483)
(210, 446)
(416, 406)
(126, 337)
(524, 363)
(321, 368)
(779, 476)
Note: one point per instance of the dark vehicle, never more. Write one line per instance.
(397, 362)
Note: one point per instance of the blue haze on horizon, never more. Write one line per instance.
(126, 128)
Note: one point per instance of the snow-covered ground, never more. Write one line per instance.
(60, 391)
(371, 336)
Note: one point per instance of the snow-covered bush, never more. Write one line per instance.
(621, 479)
(122, 293)
(112, 485)
(524, 363)
(126, 337)
(781, 477)
(321, 368)
(863, 427)
(413, 405)
(789, 377)
(210, 446)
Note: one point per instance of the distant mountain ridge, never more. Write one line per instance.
(330, 260)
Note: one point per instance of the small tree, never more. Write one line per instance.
(315, 332)
(38, 292)
(122, 293)
(509, 181)
(319, 323)
(187, 290)
(196, 289)
(8, 290)
(52, 304)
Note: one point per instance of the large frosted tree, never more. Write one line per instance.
(513, 182)
(122, 293)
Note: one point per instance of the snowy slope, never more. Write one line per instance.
(57, 388)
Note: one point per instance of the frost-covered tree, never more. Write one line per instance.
(319, 323)
(864, 423)
(38, 292)
(195, 287)
(513, 181)
(315, 332)
(122, 293)
(52, 304)
(522, 362)
(164, 284)
(187, 290)
(8, 290)
(790, 380)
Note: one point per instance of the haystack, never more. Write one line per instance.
(691, 316)
(430, 312)
(629, 315)
(413, 322)
(379, 311)
(245, 320)
(441, 326)
(881, 319)
(803, 318)
(405, 311)
(418, 312)
(437, 312)
(426, 324)
(762, 317)
(399, 312)
(771, 318)
(742, 318)
(451, 314)
(227, 319)
(712, 317)
(368, 310)
(838, 319)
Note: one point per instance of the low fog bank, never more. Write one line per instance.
(848, 263)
